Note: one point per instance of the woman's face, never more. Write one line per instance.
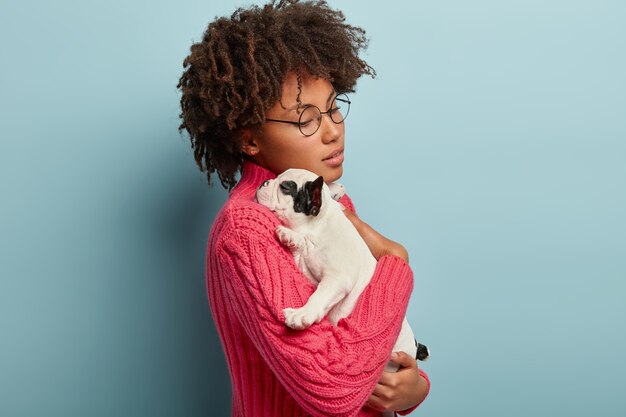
(279, 146)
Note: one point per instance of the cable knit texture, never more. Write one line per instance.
(276, 371)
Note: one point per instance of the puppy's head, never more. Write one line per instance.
(294, 193)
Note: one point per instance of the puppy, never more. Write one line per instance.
(328, 250)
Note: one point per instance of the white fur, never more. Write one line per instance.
(329, 251)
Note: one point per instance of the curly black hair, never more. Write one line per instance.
(236, 73)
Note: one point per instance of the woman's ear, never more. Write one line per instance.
(249, 145)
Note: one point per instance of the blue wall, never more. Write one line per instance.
(497, 128)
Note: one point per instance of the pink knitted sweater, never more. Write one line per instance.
(276, 371)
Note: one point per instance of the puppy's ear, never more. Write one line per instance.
(313, 193)
(289, 188)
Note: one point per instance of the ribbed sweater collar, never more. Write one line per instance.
(252, 177)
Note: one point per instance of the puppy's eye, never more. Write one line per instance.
(265, 184)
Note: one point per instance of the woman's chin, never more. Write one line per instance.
(333, 175)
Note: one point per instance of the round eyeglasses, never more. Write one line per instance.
(311, 116)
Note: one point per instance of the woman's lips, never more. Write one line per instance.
(335, 160)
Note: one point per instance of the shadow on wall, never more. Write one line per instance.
(181, 212)
(218, 378)
(189, 233)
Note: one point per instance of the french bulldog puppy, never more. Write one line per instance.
(328, 250)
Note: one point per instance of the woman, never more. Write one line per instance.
(261, 93)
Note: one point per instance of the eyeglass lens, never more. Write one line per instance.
(311, 117)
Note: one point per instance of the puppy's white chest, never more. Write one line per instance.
(310, 260)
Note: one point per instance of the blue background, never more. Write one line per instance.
(492, 144)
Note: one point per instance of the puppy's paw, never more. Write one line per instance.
(287, 237)
(300, 318)
(336, 190)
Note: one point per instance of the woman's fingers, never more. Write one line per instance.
(399, 390)
(404, 360)
(376, 402)
(383, 393)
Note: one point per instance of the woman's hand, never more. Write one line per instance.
(378, 244)
(397, 391)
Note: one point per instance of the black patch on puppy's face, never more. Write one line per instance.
(289, 188)
(308, 199)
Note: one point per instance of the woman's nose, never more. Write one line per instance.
(331, 131)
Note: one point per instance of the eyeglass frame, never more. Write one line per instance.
(328, 112)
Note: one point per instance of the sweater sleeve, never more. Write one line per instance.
(347, 202)
(328, 370)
